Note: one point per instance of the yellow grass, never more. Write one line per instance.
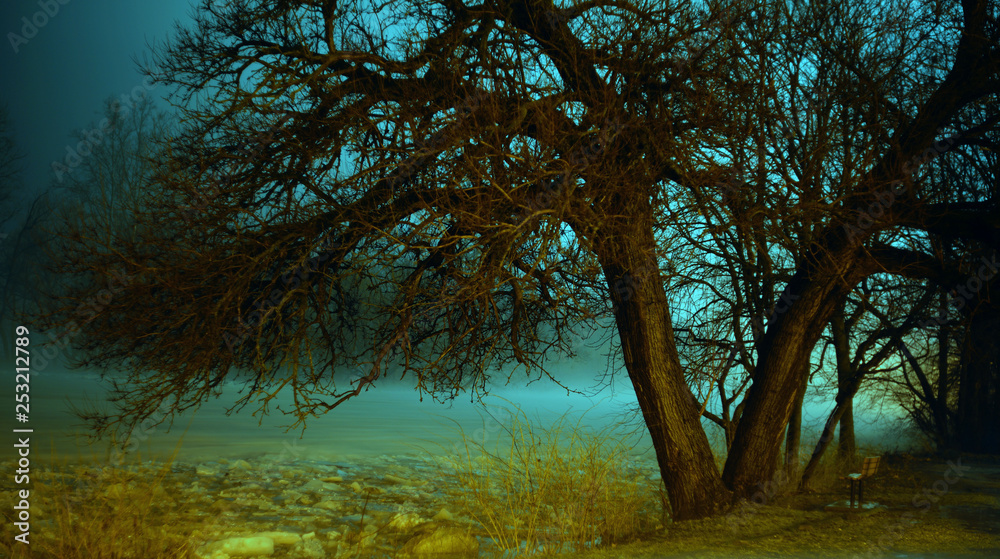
(109, 512)
(553, 489)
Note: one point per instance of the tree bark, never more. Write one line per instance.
(691, 478)
(795, 328)
(793, 436)
(978, 426)
(846, 447)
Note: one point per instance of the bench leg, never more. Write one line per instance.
(852, 493)
(861, 492)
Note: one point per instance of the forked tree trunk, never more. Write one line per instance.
(793, 332)
(691, 478)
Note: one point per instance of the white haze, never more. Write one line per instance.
(385, 420)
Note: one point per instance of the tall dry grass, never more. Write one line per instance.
(109, 512)
(559, 488)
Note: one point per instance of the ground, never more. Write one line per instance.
(940, 507)
(936, 507)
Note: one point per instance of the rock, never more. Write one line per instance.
(438, 540)
(281, 538)
(206, 470)
(333, 479)
(308, 549)
(403, 521)
(307, 500)
(222, 505)
(356, 487)
(290, 495)
(240, 465)
(328, 505)
(396, 480)
(444, 514)
(314, 485)
(241, 547)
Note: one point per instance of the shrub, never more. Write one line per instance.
(99, 513)
(566, 487)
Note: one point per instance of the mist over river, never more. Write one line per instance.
(386, 420)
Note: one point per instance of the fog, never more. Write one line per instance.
(388, 419)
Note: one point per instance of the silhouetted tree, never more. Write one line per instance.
(445, 188)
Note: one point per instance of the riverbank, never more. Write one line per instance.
(934, 508)
(392, 506)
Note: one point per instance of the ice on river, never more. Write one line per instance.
(386, 420)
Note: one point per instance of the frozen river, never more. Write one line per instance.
(385, 420)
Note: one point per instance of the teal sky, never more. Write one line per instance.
(56, 81)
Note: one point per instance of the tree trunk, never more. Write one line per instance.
(793, 436)
(941, 414)
(845, 373)
(693, 483)
(796, 326)
(846, 445)
(978, 428)
(845, 394)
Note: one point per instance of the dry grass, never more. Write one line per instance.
(99, 513)
(553, 489)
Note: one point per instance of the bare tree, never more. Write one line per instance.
(11, 158)
(103, 193)
(19, 251)
(444, 189)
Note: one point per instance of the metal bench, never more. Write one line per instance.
(868, 469)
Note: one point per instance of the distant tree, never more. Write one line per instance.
(865, 337)
(444, 189)
(104, 191)
(11, 158)
(19, 257)
(92, 203)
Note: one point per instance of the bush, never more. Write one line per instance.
(99, 513)
(549, 490)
